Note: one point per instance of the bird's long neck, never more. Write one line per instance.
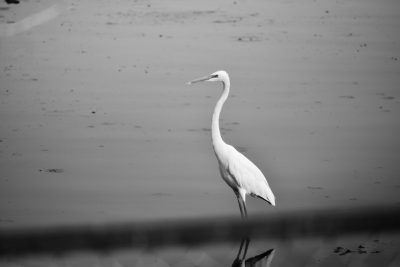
(216, 134)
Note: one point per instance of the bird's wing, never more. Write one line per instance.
(248, 176)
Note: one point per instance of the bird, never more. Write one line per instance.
(242, 175)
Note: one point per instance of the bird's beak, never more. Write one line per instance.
(202, 79)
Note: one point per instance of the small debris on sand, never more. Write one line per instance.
(53, 170)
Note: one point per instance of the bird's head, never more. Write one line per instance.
(218, 76)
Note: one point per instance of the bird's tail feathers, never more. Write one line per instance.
(268, 197)
(269, 202)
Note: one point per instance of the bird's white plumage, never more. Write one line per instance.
(248, 177)
(239, 172)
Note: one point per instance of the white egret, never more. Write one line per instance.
(238, 172)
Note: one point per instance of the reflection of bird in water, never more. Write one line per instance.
(239, 259)
(238, 171)
(261, 260)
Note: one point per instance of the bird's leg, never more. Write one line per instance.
(246, 247)
(240, 249)
(238, 262)
(240, 206)
(244, 208)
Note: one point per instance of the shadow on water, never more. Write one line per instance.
(262, 259)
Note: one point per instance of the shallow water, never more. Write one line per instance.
(97, 124)
(379, 250)
(81, 95)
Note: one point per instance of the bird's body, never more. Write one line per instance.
(243, 176)
(238, 172)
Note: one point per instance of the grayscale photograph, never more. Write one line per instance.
(199, 133)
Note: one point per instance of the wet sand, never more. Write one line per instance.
(97, 124)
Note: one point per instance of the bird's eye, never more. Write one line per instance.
(214, 76)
